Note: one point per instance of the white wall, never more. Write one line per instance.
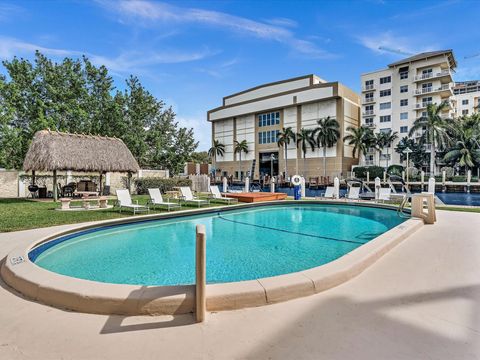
(290, 120)
(313, 112)
(224, 134)
(246, 131)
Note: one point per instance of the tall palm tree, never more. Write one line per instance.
(217, 149)
(304, 140)
(378, 143)
(388, 138)
(327, 133)
(466, 148)
(284, 138)
(240, 147)
(360, 138)
(435, 130)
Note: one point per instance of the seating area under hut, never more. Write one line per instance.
(53, 151)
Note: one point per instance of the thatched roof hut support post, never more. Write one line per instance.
(55, 192)
(100, 186)
(129, 181)
(33, 177)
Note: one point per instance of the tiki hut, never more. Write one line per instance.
(53, 151)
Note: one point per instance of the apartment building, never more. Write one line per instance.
(467, 97)
(394, 97)
(258, 114)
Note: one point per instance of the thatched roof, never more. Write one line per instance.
(52, 150)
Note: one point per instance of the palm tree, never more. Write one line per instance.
(217, 149)
(304, 140)
(239, 147)
(435, 130)
(283, 139)
(327, 134)
(466, 147)
(360, 138)
(378, 143)
(389, 137)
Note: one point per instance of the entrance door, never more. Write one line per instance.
(266, 162)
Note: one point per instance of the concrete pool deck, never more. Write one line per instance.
(421, 300)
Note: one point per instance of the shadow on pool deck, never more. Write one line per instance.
(115, 323)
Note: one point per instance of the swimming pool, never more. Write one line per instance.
(242, 244)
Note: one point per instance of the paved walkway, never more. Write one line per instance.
(420, 301)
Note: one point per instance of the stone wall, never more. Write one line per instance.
(10, 187)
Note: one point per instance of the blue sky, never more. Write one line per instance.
(191, 53)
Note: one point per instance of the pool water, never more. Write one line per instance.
(241, 244)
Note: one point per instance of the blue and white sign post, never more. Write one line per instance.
(297, 188)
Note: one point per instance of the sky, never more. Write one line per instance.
(192, 53)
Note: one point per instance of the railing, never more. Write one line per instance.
(432, 75)
(431, 89)
(368, 112)
(368, 87)
(423, 104)
(370, 125)
(368, 100)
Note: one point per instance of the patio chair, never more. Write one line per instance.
(384, 194)
(329, 193)
(188, 197)
(124, 200)
(156, 199)
(313, 182)
(353, 193)
(217, 195)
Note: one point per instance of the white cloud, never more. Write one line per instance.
(126, 62)
(9, 11)
(151, 13)
(201, 129)
(389, 43)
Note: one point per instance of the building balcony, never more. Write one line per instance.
(368, 113)
(444, 76)
(370, 125)
(444, 90)
(368, 88)
(423, 105)
(368, 100)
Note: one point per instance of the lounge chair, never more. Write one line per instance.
(217, 195)
(384, 194)
(188, 197)
(353, 193)
(329, 193)
(156, 199)
(313, 182)
(124, 200)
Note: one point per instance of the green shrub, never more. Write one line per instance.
(375, 171)
(395, 170)
(449, 171)
(142, 185)
(459, 178)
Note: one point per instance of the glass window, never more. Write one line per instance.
(368, 121)
(404, 88)
(386, 105)
(404, 116)
(385, 118)
(269, 119)
(403, 129)
(268, 137)
(260, 139)
(385, 80)
(404, 102)
(385, 130)
(465, 112)
(404, 75)
(383, 93)
(465, 102)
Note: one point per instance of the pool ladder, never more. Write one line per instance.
(401, 207)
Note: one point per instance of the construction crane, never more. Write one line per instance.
(395, 51)
(471, 56)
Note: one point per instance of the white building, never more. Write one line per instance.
(394, 97)
(467, 97)
(258, 114)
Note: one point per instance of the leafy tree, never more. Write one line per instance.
(388, 139)
(466, 146)
(434, 128)
(217, 149)
(378, 143)
(418, 156)
(200, 157)
(327, 134)
(283, 140)
(305, 140)
(360, 138)
(239, 148)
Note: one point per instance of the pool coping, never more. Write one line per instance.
(88, 296)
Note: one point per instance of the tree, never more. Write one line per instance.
(304, 140)
(388, 139)
(418, 156)
(200, 157)
(217, 149)
(327, 134)
(240, 147)
(434, 128)
(378, 143)
(360, 138)
(466, 147)
(283, 140)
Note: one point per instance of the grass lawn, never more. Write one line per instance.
(22, 214)
(457, 208)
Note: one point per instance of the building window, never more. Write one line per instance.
(465, 112)
(404, 116)
(403, 88)
(387, 92)
(404, 75)
(369, 121)
(385, 80)
(368, 84)
(385, 118)
(386, 105)
(268, 137)
(403, 129)
(404, 102)
(385, 157)
(427, 87)
(269, 119)
(427, 71)
(385, 130)
(369, 97)
(465, 102)
(427, 100)
(369, 110)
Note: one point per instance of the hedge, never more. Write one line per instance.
(375, 171)
(143, 184)
(395, 170)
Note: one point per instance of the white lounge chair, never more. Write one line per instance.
(329, 193)
(384, 194)
(217, 195)
(124, 200)
(156, 199)
(353, 193)
(188, 197)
